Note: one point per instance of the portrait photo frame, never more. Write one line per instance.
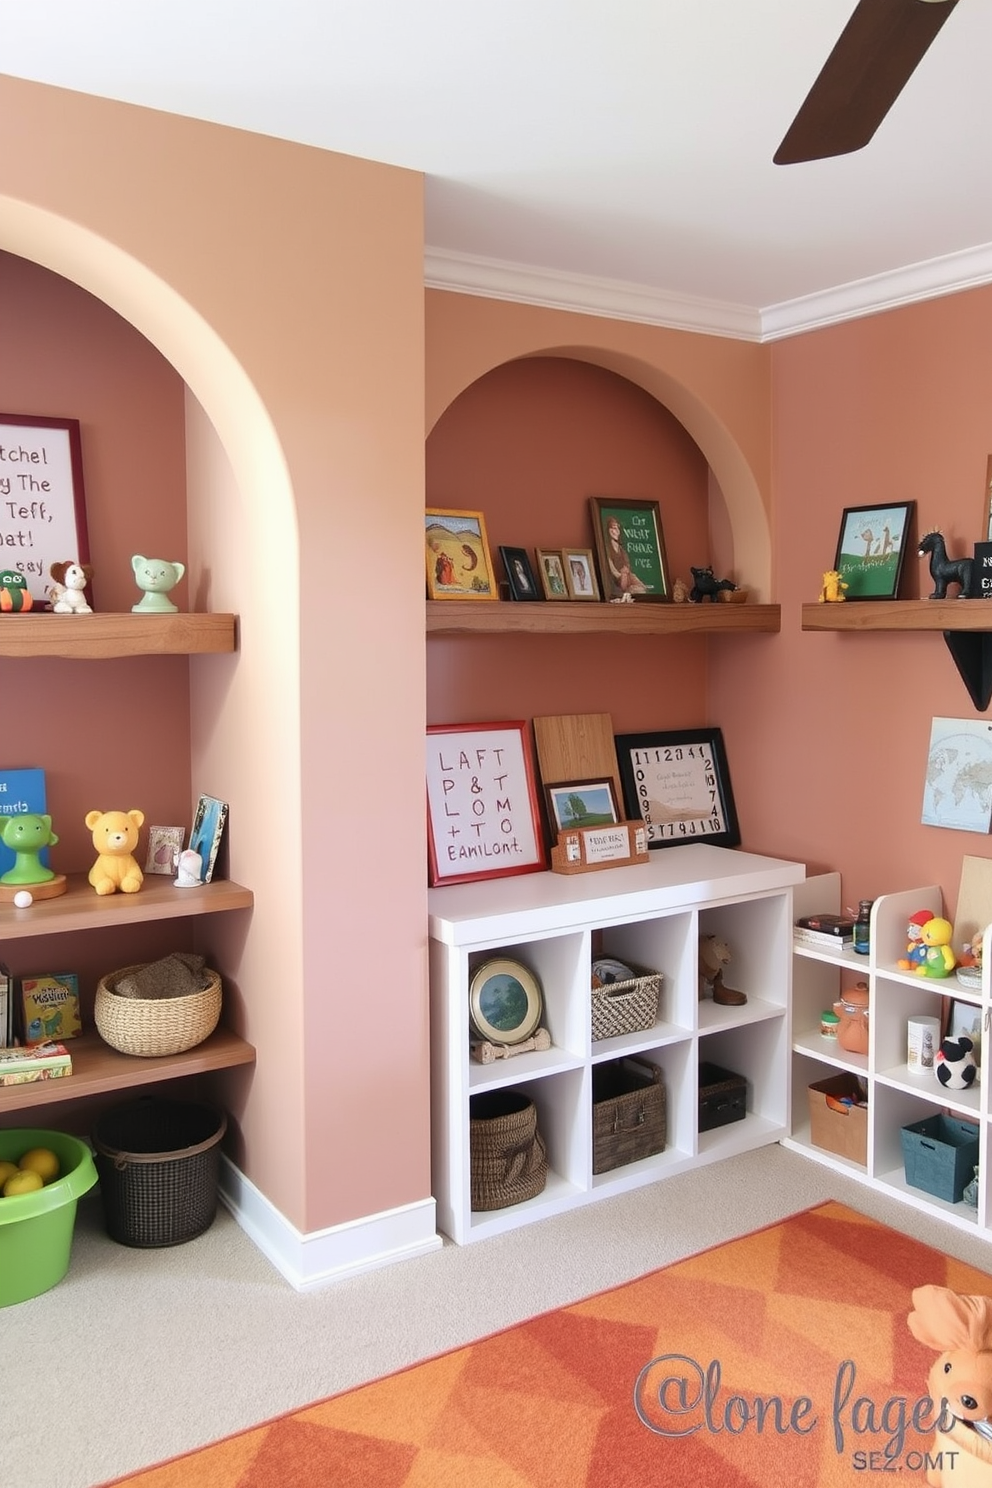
(483, 813)
(630, 547)
(163, 845)
(459, 563)
(520, 575)
(45, 505)
(209, 821)
(957, 1017)
(551, 568)
(677, 782)
(871, 548)
(580, 573)
(581, 803)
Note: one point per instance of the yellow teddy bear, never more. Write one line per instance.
(115, 836)
(832, 590)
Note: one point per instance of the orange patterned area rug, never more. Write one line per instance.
(782, 1358)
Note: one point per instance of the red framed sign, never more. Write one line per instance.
(483, 817)
(42, 506)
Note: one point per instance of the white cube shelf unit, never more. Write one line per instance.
(651, 914)
(897, 1095)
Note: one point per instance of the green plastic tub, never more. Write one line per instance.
(36, 1228)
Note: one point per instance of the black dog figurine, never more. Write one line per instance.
(944, 570)
(705, 586)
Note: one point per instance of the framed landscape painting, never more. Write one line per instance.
(459, 565)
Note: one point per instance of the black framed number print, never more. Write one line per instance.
(678, 783)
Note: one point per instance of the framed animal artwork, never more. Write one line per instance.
(871, 548)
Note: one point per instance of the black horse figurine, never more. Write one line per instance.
(944, 570)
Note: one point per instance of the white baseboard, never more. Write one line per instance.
(317, 1259)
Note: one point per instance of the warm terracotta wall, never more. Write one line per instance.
(829, 733)
(285, 286)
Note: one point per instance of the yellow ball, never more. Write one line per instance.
(22, 1182)
(7, 1170)
(43, 1161)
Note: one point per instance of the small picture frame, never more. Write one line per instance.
(459, 565)
(630, 546)
(580, 573)
(581, 803)
(678, 783)
(871, 548)
(209, 821)
(551, 567)
(164, 843)
(519, 574)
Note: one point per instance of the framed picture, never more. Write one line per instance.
(678, 783)
(208, 829)
(457, 550)
(580, 573)
(581, 803)
(871, 547)
(519, 574)
(42, 505)
(551, 567)
(962, 1018)
(163, 845)
(630, 547)
(505, 1001)
(483, 819)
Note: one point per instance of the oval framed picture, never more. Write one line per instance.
(505, 1001)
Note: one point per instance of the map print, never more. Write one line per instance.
(958, 789)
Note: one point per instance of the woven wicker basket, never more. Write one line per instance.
(509, 1159)
(151, 1026)
(629, 1113)
(626, 1007)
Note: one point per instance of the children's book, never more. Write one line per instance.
(50, 1007)
(44, 1062)
(22, 793)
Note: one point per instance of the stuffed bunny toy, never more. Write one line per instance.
(961, 1377)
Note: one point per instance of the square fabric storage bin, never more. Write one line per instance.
(629, 1112)
(722, 1096)
(940, 1154)
(836, 1122)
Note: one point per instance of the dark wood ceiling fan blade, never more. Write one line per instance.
(875, 56)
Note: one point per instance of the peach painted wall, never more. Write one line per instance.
(829, 733)
(284, 285)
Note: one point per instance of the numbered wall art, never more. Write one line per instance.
(678, 783)
(483, 819)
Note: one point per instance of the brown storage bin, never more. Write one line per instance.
(844, 1132)
(629, 1113)
(508, 1158)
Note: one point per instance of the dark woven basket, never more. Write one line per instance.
(509, 1159)
(158, 1162)
(629, 1113)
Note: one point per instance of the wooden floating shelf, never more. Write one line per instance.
(454, 617)
(100, 636)
(82, 908)
(97, 1069)
(900, 614)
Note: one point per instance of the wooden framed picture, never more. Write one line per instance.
(163, 845)
(678, 784)
(209, 821)
(630, 546)
(580, 573)
(42, 504)
(871, 547)
(519, 574)
(483, 819)
(458, 562)
(581, 803)
(505, 1001)
(551, 567)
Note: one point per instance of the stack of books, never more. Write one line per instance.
(824, 931)
(42, 1062)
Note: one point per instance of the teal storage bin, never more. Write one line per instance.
(940, 1154)
(36, 1229)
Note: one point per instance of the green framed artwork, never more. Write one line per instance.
(630, 547)
(871, 547)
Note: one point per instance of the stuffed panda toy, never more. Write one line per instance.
(954, 1063)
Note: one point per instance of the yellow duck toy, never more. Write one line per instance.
(938, 960)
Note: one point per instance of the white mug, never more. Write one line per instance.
(922, 1043)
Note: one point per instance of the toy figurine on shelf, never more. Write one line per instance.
(833, 587)
(115, 836)
(705, 586)
(67, 595)
(156, 576)
(27, 835)
(938, 959)
(955, 1064)
(714, 955)
(944, 570)
(914, 940)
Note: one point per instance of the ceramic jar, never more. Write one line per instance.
(852, 1010)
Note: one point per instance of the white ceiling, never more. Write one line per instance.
(612, 154)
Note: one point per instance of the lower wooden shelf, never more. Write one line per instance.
(97, 1069)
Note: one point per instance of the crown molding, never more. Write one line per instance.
(497, 279)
